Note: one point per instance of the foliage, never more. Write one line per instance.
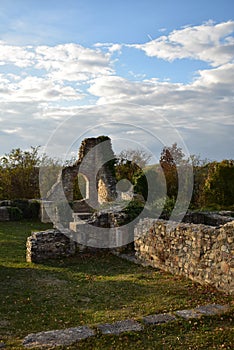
(162, 207)
(50, 170)
(15, 213)
(141, 186)
(219, 184)
(19, 174)
(33, 210)
(213, 185)
(126, 169)
(130, 165)
(150, 184)
(170, 159)
(133, 210)
(137, 156)
(29, 208)
(171, 156)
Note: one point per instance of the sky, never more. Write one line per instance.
(146, 73)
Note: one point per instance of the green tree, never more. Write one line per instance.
(19, 174)
(200, 172)
(219, 184)
(130, 165)
(170, 159)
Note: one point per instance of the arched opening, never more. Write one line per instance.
(81, 187)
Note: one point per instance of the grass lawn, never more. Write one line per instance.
(92, 289)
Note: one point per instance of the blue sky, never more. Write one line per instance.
(163, 66)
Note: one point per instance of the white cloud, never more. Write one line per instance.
(221, 75)
(208, 97)
(208, 42)
(42, 86)
(111, 47)
(35, 89)
(12, 131)
(72, 62)
(19, 56)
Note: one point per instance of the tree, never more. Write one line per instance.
(200, 172)
(150, 185)
(20, 170)
(130, 165)
(170, 158)
(50, 169)
(219, 184)
(137, 156)
(19, 174)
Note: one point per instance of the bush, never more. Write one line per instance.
(15, 213)
(133, 209)
(34, 209)
(162, 207)
(30, 209)
(23, 205)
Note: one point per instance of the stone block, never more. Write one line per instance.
(187, 314)
(159, 318)
(57, 337)
(120, 327)
(212, 309)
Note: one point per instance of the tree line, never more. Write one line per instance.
(213, 182)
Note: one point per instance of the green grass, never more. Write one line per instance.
(92, 289)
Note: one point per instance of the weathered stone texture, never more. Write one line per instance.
(120, 327)
(49, 244)
(94, 153)
(57, 337)
(102, 230)
(202, 253)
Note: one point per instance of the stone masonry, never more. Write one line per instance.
(202, 253)
(49, 244)
(95, 164)
(94, 153)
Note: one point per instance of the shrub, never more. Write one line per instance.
(34, 209)
(162, 207)
(23, 205)
(15, 213)
(29, 209)
(133, 209)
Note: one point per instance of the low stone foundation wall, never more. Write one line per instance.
(202, 253)
(4, 214)
(209, 218)
(49, 244)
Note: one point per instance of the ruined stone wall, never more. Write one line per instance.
(202, 253)
(91, 163)
(49, 244)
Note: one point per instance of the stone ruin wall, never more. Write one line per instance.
(49, 244)
(92, 156)
(204, 254)
(91, 161)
